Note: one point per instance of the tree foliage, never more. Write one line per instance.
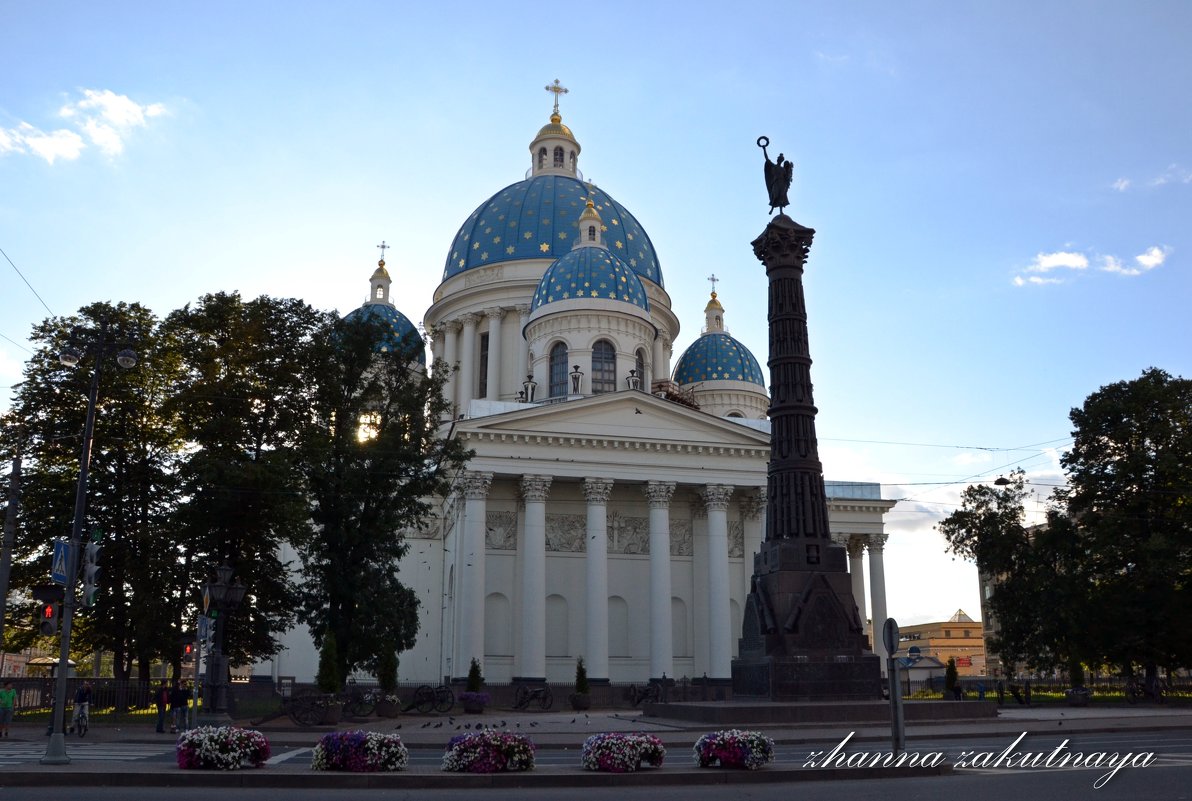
(373, 456)
(1108, 578)
(234, 440)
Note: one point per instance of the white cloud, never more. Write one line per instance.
(107, 119)
(1174, 174)
(1121, 184)
(970, 458)
(1153, 257)
(1060, 260)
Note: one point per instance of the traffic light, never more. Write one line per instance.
(90, 572)
(47, 616)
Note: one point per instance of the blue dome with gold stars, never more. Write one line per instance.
(398, 329)
(537, 219)
(716, 356)
(590, 273)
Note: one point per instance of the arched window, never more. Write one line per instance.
(380, 292)
(558, 157)
(604, 367)
(641, 369)
(558, 371)
(591, 233)
(541, 157)
(572, 161)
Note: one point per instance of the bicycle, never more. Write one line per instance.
(427, 698)
(526, 695)
(81, 721)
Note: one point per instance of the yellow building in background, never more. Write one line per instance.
(959, 637)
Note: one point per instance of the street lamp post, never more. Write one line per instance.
(98, 347)
(225, 598)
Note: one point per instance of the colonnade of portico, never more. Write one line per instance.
(718, 581)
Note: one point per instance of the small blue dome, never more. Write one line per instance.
(400, 329)
(717, 356)
(537, 219)
(590, 273)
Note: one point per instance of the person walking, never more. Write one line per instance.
(163, 704)
(8, 705)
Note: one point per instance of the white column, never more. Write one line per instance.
(531, 657)
(666, 355)
(699, 589)
(597, 490)
(720, 643)
(523, 348)
(856, 570)
(877, 592)
(658, 369)
(451, 356)
(466, 387)
(753, 506)
(471, 571)
(662, 648)
(494, 353)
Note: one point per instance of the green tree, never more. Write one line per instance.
(1130, 498)
(131, 483)
(1040, 598)
(242, 407)
(375, 456)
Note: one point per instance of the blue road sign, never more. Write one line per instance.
(60, 564)
(202, 632)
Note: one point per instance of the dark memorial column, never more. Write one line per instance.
(802, 638)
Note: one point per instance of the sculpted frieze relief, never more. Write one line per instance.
(628, 534)
(500, 531)
(566, 532)
(736, 539)
(680, 537)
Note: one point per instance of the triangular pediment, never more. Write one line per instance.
(625, 416)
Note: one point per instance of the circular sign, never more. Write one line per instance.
(890, 636)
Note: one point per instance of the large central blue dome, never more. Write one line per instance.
(537, 219)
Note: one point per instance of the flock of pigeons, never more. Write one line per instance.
(481, 726)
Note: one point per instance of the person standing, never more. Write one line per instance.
(8, 705)
(163, 704)
(178, 700)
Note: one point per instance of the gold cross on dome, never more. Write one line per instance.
(714, 281)
(556, 89)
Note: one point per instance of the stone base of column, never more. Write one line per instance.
(529, 679)
(802, 638)
(599, 682)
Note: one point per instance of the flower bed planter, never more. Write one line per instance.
(222, 748)
(388, 709)
(489, 752)
(360, 752)
(474, 702)
(580, 702)
(614, 752)
(733, 748)
(333, 713)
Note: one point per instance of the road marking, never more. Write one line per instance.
(279, 758)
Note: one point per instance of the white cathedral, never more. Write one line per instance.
(615, 502)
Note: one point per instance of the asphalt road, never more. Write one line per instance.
(1167, 778)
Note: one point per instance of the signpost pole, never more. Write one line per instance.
(897, 726)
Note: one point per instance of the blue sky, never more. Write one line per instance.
(1002, 191)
